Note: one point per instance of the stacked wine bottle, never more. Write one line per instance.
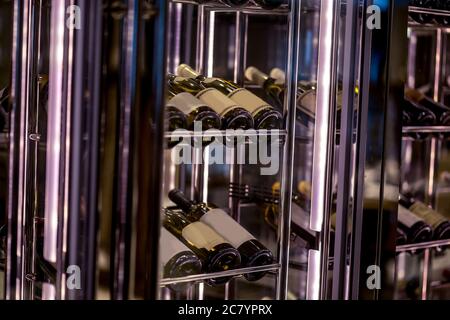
(425, 18)
(418, 222)
(420, 110)
(215, 104)
(202, 238)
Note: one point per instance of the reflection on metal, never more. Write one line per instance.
(426, 129)
(382, 80)
(54, 134)
(313, 277)
(434, 158)
(324, 103)
(232, 273)
(425, 274)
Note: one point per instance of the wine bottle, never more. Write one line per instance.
(299, 215)
(193, 109)
(442, 19)
(278, 75)
(233, 116)
(415, 228)
(177, 259)
(264, 115)
(439, 224)
(401, 237)
(306, 94)
(422, 18)
(418, 115)
(441, 112)
(215, 253)
(269, 4)
(174, 119)
(273, 88)
(253, 253)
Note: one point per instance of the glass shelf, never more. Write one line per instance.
(423, 245)
(230, 273)
(434, 12)
(225, 133)
(426, 129)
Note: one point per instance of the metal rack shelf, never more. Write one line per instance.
(250, 8)
(423, 245)
(229, 273)
(426, 129)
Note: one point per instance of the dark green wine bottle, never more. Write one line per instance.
(264, 115)
(216, 253)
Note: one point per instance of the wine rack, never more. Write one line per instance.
(89, 192)
(204, 59)
(430, 137)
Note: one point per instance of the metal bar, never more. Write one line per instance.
(284, 228)
(229, 273)
(426, 129)
(200, 41)
(148, 141)
(422, 245)
(432, 166)
(425, 274)
(344, 191)
(324, 103)
(412, 60)
(431, 11)
(438, 66)
(14, 242)
(313, 283)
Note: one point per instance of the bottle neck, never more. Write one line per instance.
(257, 76)
(175, 221)
(406, 201)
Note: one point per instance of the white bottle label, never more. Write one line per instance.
(202, 236)
(219, 102)
(406, 217)
(185, 102)
(227, 227)
(433, 218)
(170, 246)
(251, 102)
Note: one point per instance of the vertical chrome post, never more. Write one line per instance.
(435, 144)
(323, 146)
(438, 67)
(284, 227)
(346, 152)
(240, 46)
